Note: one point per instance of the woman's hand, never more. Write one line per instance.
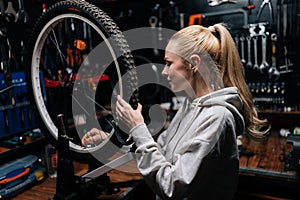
(94, 136)
(125, 112)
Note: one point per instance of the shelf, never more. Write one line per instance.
(30, 145)
(279, 112)
(280, 120)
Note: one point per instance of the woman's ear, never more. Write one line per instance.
(195, 61)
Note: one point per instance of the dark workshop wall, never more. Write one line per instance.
(238, 15)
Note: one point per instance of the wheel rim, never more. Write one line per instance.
(37, 88)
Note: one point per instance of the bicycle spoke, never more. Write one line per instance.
(64, 35)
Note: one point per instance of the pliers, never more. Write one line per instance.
(263, 4)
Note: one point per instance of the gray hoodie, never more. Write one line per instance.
(197, 156)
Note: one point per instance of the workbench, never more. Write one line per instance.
(263, 173)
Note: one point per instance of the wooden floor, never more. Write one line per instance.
(46, 189)
(253, 183)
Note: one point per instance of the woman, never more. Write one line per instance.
(197, 156)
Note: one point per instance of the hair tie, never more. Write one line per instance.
(214, 32)
(212, 29)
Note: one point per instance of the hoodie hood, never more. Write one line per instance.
(227, 97)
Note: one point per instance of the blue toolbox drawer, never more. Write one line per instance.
(19, 174)
(17, 117)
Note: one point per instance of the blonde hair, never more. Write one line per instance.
(217, 42)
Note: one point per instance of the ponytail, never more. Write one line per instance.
(232, 71)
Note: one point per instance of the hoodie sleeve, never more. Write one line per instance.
(171, 180)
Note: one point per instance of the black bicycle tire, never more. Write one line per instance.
(110, 28)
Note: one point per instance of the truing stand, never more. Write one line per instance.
(109, 166)
(71, 187)
(65, 182)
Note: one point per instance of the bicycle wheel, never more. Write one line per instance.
(78, 54)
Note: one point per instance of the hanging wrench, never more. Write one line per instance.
(255, 66)
(264, 65)
(2, 8)
(242, 39)
(22, 14)
(153, 22)
(236, 40)
(181, 20)
(273, 72)
(249, 63)
(11, 14)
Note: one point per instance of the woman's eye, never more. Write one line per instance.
(168, 64)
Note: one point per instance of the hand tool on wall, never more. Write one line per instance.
(173, 11)
(257, 29)
(218, 2)
(10, 13)
(261, 8)
(22, 14)
(20, 98)
(2, 8)
(292, 10)
(12, 62)
(255, 66)
(287, 63)
(153, 22)
(273, 71)
(285, 18)
(226, 12)
(264, 64)
(160, 25)
(6, 64)
(249, 7)
(278, 13)
(195, 19)
(242, 40)
(79, 45)
(249, 62)
(237, 42)
(181, 20)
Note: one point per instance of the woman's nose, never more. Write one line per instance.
(165, 71)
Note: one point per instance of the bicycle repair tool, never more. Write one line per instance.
(257, 29)
(198, 17)
(284, 18)
(273, 71)
(87, 186)
(218, 2)
(264, 64)
(249, 7)
(8, 99)
(261, 8)
(255, 66)
(153, 22)
(2, 8)
(287, 63)
(127, 157)
(65, 172)
(242, 40)
(278, 13)
(227, 12)
(249, 62)
(237, 42)
(181, 20)
(22, 13)
(10, 13)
